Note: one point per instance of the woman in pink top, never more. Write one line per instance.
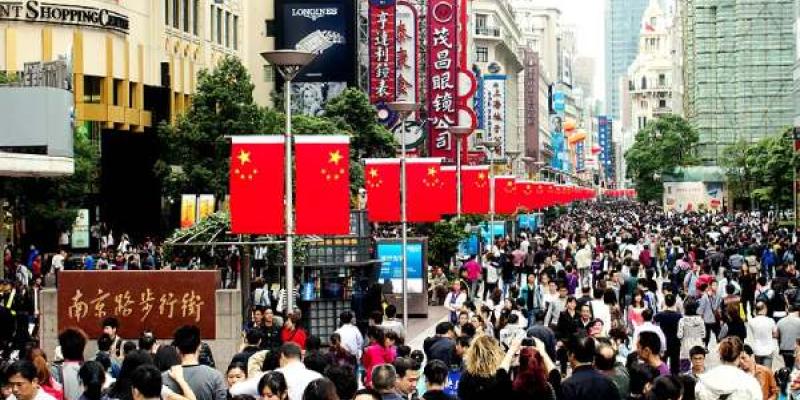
(376, 353)
(635, 310)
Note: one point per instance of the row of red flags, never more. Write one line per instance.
(620, 192)
(322, 187)
(431, 190)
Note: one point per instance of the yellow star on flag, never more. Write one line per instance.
(335, 157)
(373, 173)
(244, 157)
(481, 176)
(431, 171)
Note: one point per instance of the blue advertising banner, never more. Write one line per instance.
(604, 137)
(468, 246)
(557, 141)
(391, 256)
(580, 160)
(559, 102)
(499, 229)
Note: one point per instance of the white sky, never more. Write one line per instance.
(588, 19)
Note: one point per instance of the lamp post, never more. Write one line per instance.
(459, 133)
(404, 109)
(491, 146)
(289, 63)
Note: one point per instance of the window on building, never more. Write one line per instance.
(644, 83)
(211, 29)
(662, 104)
(631, 86)
(219, 26)
(269, 73)
(482, 54)
(227, 29)
(643, 104)
(236, 32)
(481, 20)
(92, 88)
(662, 80)
(176, 14)
(195, 17)
(166, 12)
(185, 10)
(269, 28)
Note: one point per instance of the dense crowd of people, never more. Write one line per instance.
(611, 300)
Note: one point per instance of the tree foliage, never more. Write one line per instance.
(761, 171)
(662, 145)
(195, 151)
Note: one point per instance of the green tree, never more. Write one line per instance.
(352, 111)
(50, 205)
(738, 172)
(662, 145)
(773, 162)
(195, 151)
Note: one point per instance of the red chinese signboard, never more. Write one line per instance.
(159, 301)
(407, 52)
(382, 51)
(442, 74)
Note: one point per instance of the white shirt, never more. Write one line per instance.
(649, 326)
(763, 341)
(602, 312)
(454, 305)
(351, 339)
(58, 262)
(40, 395)
(297, 378)
(395, 326)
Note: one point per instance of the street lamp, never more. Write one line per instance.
(405, 109)
(459, 133)
(289, 63)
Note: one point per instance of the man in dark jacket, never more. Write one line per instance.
(253, 338)
(442, 346)
(586, 382)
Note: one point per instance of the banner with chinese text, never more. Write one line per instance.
(159, 301)
(382, 51)
(442, 45)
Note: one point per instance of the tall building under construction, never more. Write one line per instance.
(738, 62)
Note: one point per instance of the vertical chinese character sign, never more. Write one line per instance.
(580, 160)
(382, 51)
(442, 46)
(494, 108)
(407, 52)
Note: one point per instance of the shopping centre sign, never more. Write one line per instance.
(64, 14)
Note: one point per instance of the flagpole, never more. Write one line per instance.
(404, 109)
(289, 63)
(459, 133)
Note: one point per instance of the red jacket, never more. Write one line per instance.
(298, 335)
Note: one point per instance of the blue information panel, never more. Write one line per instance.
(499, 229)
(391, 256)
(468, 246)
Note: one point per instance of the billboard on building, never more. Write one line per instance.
(382, 45)
(327, 29)
(693, 196)
(494, 108)
(531, 101)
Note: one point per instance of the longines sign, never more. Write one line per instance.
(63, 14)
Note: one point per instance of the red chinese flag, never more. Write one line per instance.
(505, 195)
(382, 179)
(257, 185)
(449, 194)
(525, 195)
(425, 200)
(322, 203)
(475, 190)
(548, 200)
